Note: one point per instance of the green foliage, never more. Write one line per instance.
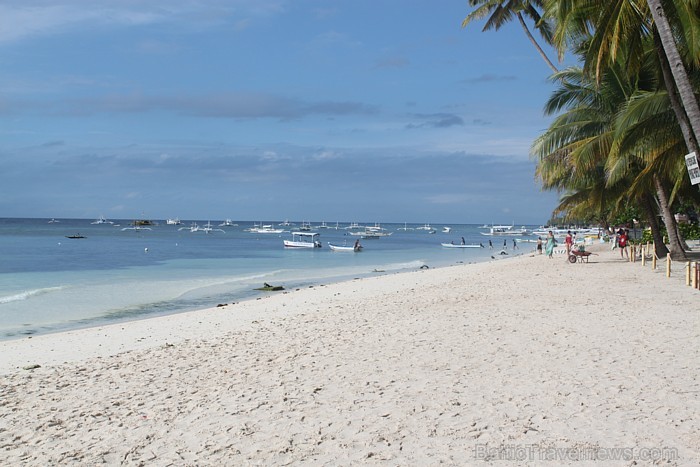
(688, 232)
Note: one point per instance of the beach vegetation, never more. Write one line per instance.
(625, 115)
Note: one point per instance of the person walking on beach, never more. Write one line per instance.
(622, 243)
(569, 240)
(551, 243)
(515, 245)
(539, 245)
(490, 244)
(505, 244)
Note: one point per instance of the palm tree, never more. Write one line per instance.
(680, 74)
(500, 12)
(625, 25)
(571, 154)
(582, 152)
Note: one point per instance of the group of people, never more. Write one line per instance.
(505, 244)
(621, 241)
(551, 243)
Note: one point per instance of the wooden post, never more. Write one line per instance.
(644, 254)
(668, 264)
(633, 251)
(687, 273)
(695, 275)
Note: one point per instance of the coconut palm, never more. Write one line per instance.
(688, 9)
(626, 25)
(499, 12)
(582, 148)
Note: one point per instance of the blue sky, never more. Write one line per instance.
(354, 110)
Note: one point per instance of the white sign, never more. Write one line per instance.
(691, 161)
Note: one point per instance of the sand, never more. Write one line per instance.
(526, 360)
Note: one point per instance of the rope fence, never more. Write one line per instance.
(646, 252)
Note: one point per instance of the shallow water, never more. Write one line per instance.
(50, 283)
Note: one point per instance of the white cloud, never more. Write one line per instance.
(22, 19)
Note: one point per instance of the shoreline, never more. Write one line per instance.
(428, 366)
(109, 339)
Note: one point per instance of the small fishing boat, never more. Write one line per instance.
(75, 236)
(354, 249)
(460, 245)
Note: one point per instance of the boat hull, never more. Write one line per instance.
(292, 244)
(349, 249)
(451, 245)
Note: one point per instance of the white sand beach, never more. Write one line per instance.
(525, 360)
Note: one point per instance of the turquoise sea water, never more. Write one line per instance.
(50, 283)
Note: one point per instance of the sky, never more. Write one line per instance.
(321, 110)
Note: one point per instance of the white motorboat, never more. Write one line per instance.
(355, 248)
(303, 240)
(461, 245)
(174, 221)
(446, 229)
(375, 231)
(425, 227)
(102, 220)
(264, 229)
(228, 223)
(510, 230)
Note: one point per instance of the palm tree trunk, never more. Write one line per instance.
(680, 75)
(675, 248)
(534, 42)
(648, 204)
(681, 116)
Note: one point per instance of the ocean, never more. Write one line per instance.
(51, 283)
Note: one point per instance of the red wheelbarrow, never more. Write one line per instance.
(579, 255)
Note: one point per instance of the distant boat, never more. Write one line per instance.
(508, 230)
(136, 227)
(425, 227)
(75, 236)
(102, 220)
(53, 221)
(303, 240)
(175, 221)
(355, 249)
(208, 228)
(459, 245)
(227, 222)
(264, 229)
(405, 227)
(446, 229)
(354, 226)
(142, 222)
(375, 231)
